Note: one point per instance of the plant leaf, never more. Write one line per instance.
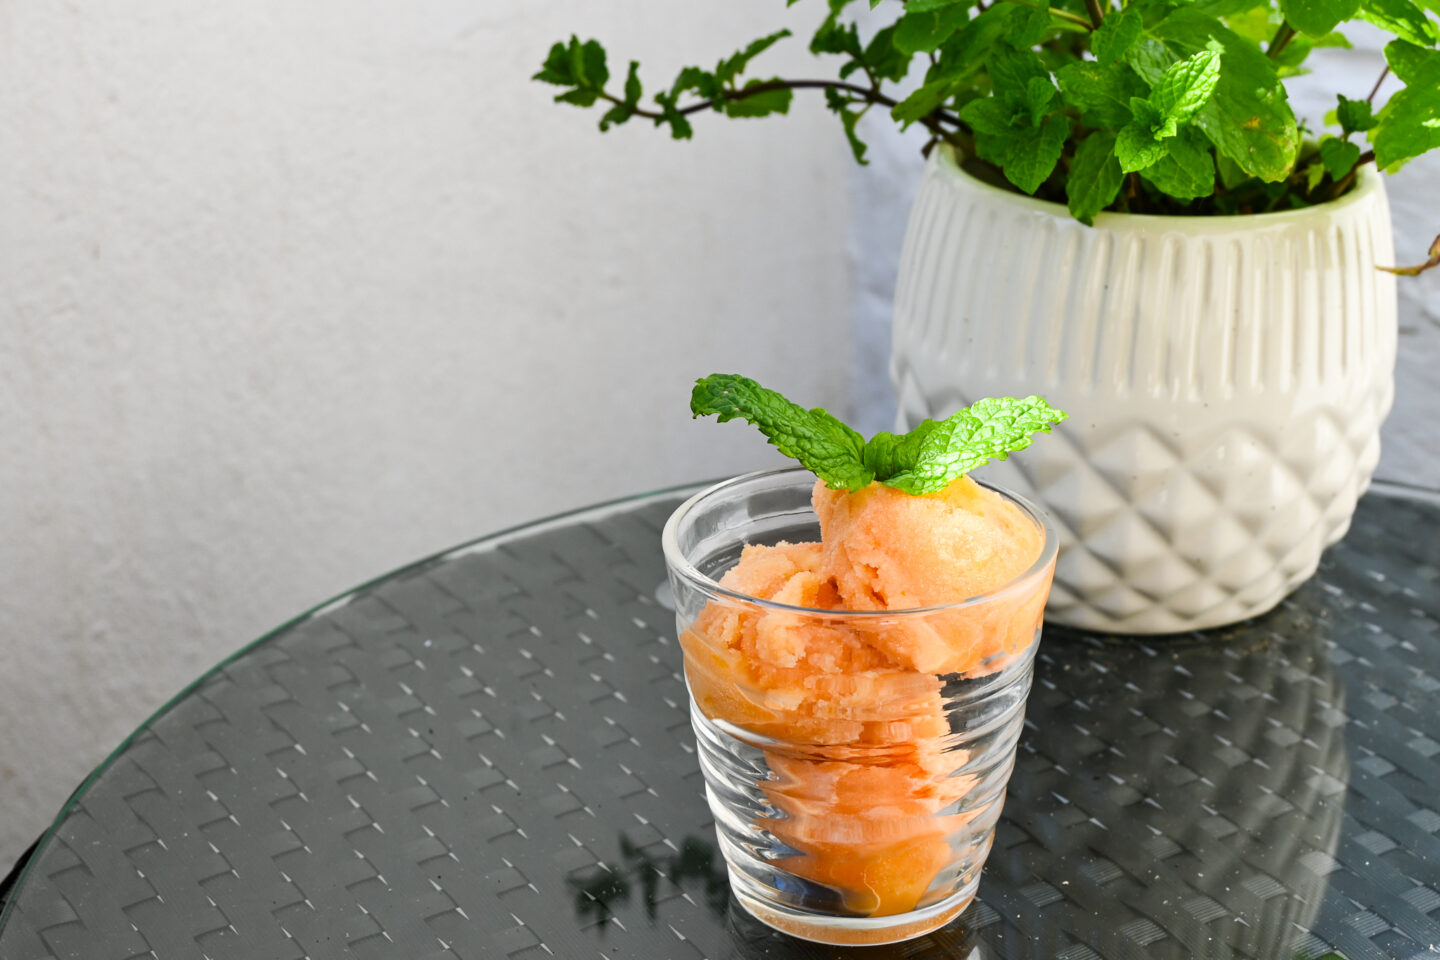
(760, 104)
(1034, 151)
(988, 430)
(1409, 124)
(1102, 94)
(849, 117)
(1185, 87)
(1318, 17)
(1095, 177)
(1338, 157)
(1402, 18)
(1039, 91)
(823, 445)
(1137, 148)
(923, 30)
(888, 455)
(1187, 170)
(1247, 117)
(1354, 116)
(734, 65)
(556, 68)
(1117, 34)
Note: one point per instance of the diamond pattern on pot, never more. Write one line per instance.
(1225, 378)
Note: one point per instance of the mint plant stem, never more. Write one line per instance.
(1376, 89)
(1283, 35)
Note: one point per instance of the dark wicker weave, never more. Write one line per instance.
(488, 755)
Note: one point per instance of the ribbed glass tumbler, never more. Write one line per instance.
(855, 789)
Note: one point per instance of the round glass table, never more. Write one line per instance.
(488, 754)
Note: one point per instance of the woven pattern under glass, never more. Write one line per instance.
(489, 755)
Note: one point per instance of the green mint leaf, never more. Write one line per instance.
(888, 455)
(624, 111)
(1355, 116)
(734, 65)
(988, 430)
(1255, 23)
(929, 6)
(823, 445)
(1117, 34)
(760, 104)
(1231, 174)
(556, 68)
(1028, 25)
(1338, 157)
(883, 57)
(1183, 88)
(1314, 173)
(587, 64)
(923, 30)
(632, 85)
(1038, 94)
(1187, 170)
(1145, 112)
(1137, 148)
(1247, 118)
(1409, 124)
(701, 81)
(580, 97)
(922, 102)
(1318, 17)
(1034, 151)
(1402, 18)
(1411, 62)
(1102, 94)
(988, 117)
(680, 128)
(1230, 9)
(963, 55)
(835, 37)
(841, 106)
(1011, 72)
(1095, 177)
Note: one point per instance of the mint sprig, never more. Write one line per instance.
(926, 459)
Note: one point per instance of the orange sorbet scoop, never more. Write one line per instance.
(861, 770)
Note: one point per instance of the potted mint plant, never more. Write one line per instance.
(1121, 211)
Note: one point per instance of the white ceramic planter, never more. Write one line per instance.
(1226, 378)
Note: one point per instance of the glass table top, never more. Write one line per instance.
(488, 754)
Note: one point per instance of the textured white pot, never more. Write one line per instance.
(1226, 378)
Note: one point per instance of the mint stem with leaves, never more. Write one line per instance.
(925, 460)
(1143, 106)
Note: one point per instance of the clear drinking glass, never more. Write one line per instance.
(855, 801)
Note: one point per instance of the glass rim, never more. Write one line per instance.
(681, 565)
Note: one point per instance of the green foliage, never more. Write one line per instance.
(1095, 177)
(1409, 124)
(1150, 106)
(924, 460)
(1318, 17)
(823, 445)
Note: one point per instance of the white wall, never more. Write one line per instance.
(292, 293)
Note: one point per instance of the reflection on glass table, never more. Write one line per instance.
(488, 754)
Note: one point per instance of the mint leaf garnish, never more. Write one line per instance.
(988, 430)
(823, 445)
(924, 460)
